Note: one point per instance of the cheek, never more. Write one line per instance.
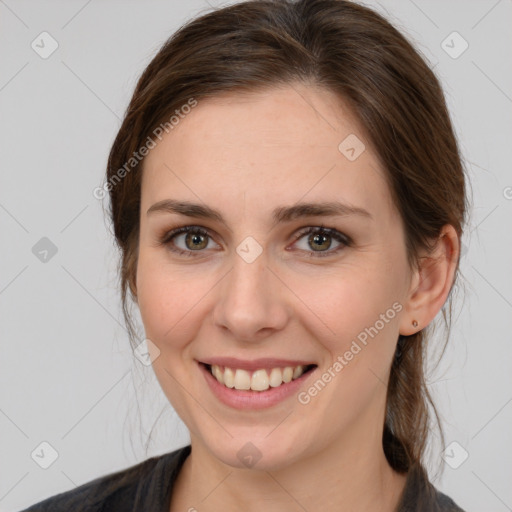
(162, 298)
(356, 322)
(339, 304)
(352, 315)
(168, 300)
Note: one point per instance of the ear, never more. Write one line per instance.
(431, 282)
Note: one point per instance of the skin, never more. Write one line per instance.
(246, 155)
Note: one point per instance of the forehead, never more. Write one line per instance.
(276, 146)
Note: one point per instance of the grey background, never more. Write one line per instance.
(67, 374)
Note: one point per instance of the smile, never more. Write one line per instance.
(255, 389)
(259, 380)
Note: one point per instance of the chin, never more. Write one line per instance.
(249, 451)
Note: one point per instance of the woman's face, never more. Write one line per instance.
(257, 285)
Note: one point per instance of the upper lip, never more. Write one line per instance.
(254, 364)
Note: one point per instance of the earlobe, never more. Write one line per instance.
(431, 283)
(411, 310)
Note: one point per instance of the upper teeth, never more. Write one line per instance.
(260, 379)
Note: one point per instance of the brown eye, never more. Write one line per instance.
(195, 241)
(187, 240)
(320, 240)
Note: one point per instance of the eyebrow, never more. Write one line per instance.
(279, 215)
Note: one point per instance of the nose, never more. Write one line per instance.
(251, 301)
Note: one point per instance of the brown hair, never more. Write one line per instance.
(357, 54)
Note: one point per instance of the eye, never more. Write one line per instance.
(321, 238)
(192, 238)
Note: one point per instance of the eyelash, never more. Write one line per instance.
(345, 240)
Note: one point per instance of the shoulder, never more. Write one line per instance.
(420, 495)
(121, 490)
(446, 504)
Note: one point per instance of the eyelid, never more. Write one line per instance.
(322, 229)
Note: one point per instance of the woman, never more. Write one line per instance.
(288, 197)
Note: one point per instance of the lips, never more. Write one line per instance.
(250, 399)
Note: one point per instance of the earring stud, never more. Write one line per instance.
(415, 323)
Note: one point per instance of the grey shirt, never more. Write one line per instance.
(148, 486)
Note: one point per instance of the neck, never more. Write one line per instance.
(349, 474)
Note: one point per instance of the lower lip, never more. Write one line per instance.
(253, 399)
